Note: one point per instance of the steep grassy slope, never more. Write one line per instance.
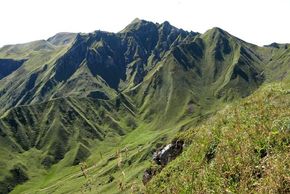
(84, 112)
(37, 58)
(242, 149)
(62, 129)
(98, 62)
(279, 65)
(196, 76)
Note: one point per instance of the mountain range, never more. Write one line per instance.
(84, 112)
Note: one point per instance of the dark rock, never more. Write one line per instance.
(168, 153)
(162, 157)
(148, 174)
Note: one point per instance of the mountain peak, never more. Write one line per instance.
(216, 33)
(136, 20)
(216, 30)
(62, 38)
(167, 25)
(277, 45)
(135, 25)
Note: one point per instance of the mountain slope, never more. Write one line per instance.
(102, 59)
(90, 109)
(197, 74)
(242, 149)
(58, 129)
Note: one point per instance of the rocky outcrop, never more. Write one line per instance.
(168, 153)
(162, 157)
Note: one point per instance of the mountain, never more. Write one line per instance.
(85, 112)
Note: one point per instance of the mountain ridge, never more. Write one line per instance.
(83, 97)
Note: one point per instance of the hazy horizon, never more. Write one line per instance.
(259, 22)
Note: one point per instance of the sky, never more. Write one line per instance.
(257, 21)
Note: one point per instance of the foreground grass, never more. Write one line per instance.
(245, 148)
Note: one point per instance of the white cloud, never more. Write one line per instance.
(256, 21)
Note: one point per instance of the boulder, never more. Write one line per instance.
(162, 157)
(168, 153)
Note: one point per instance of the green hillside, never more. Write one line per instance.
(84, 113)
(244, 148)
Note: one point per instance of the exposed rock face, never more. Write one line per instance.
(162, 157)
(168, 153)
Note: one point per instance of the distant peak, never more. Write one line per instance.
(278, 45)
(216, 32)
(136, 20)
(60, 34)
(166, 23)
(136, 24)
(62, 38)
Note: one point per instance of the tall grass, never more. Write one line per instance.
(245, 148)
